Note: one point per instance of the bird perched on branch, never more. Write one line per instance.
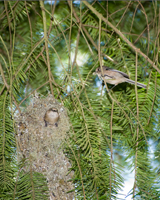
(114, 76)
(51, 117)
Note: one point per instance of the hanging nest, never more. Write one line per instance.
(42, 146)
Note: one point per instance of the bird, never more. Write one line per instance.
(51, 117)
(114, 76)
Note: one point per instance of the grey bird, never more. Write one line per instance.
(51, 117)
(114, 76)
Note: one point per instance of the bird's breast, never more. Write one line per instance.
(52, 114)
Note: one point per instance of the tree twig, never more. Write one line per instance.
(121, 35)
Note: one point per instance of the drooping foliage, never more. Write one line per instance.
(55, 46)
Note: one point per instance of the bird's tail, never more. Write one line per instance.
(138, 84)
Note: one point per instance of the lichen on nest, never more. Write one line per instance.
(42, 145)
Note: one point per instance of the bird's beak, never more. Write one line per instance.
(94, 73)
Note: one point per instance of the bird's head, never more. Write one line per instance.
(53, 110)
(99, 70)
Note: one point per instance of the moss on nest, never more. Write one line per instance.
(41, 145)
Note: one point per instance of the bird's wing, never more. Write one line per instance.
(114, 70)
(124, 74)
(105, 75)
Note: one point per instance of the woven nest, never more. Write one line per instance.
(42, 145)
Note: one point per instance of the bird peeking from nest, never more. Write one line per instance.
(51, 117)
(114, 76)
